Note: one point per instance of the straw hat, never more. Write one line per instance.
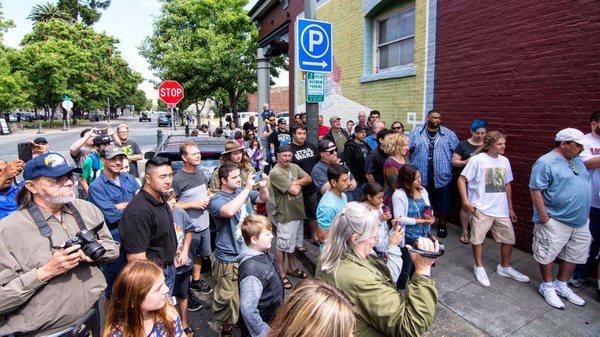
(232, 146)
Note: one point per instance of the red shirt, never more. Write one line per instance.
(323, 131)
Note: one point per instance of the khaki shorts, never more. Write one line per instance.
(481, 224)
(555, 239)
(226, 295)
(287, 234)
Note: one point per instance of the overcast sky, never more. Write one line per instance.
(127, 20)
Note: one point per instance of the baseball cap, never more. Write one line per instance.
(284, 148)
(571, 135)
(281, 120)
(102, 139)
(112, 151)
(360, 127)
(334, 118)
(40, 140)
(326, 145)
(49, 164)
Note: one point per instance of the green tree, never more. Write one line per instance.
(206, 45)
(46, 12)
(86, 11)
(12, 83)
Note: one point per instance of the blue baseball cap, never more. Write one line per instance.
(49, 164)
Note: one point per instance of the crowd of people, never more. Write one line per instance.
(367, 196)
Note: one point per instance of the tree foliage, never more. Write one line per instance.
(206, 45)
(46, 12)
(85, 11)
(12, 83)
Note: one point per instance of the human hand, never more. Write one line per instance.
(544, 218)
(61, 262)
(273, 159)
(423, 264)
(513, 216)
(13, 169)
(36, 149)
(468, 207)
(121, 205)
(250, 182)
(200, 204)
(385, 216)
(182, 260)
(263, 182)
(396, 235)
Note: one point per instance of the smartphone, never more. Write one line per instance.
(25, 152)
(258, 176)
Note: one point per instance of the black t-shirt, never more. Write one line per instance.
(374, 165)
(279, 138)
(306, 156)
(248, 126)
(147, 226)
(465, 149)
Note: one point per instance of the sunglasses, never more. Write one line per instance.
(332, 151)
(396, 128)
(573, 168)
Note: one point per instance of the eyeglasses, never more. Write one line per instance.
(61, 181)
(573, 168)
(332, 151)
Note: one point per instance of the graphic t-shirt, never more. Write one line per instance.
(229, 239)
(487, 177)
(279, 138)
(191, 187)
(590, 151)
(183, 224)
(306, 156)
(130, 148)
(288, 207)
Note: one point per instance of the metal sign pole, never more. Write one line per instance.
(312, 109)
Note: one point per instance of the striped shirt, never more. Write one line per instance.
(445, 142)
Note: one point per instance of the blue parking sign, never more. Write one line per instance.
(314, 46)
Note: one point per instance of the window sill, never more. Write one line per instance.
(386, 75)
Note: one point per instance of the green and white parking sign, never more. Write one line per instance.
(315, 87)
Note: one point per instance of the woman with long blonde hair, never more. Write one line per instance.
(138, 306)
(315, 308)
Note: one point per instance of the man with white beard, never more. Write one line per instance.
(47, 284)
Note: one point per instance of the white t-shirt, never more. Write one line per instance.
(589, 152)
(486, 180)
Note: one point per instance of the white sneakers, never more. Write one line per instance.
(512, 273)
(481, 276)
(551, 294)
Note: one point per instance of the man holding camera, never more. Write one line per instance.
(45, 287)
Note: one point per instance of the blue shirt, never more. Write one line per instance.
(566, 195)
(105, 194)
(445, 143)
(229, 240)
(8, 199)
(371, 140)
(415, 210)
(329, 207)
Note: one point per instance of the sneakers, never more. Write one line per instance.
(201, 286)
(512, 273)
(567, 293)
(549, 294)
(194, 304)
(575, 282)
(481, 276)
(442, 231)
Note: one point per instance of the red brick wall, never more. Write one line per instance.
(529, 67)
(279, 100)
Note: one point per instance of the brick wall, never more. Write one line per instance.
(279, 99)
(530, 68)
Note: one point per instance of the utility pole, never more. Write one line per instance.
(312, 109)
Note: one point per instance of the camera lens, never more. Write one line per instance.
(94, 250)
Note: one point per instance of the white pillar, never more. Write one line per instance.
(263, 84)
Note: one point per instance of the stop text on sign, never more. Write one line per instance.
(170, 92)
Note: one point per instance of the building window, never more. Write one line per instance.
(395, 39)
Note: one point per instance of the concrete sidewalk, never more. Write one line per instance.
(507, 307)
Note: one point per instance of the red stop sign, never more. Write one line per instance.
(170, 92)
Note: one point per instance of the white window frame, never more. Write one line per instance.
(376, 44)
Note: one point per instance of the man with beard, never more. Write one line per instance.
(111, 192)
(431, 147)
(146, 228)
(9, 187)
(375, 160)
(45, 287)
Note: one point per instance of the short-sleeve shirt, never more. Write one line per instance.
(329, 207)
(183, 224)
(147, 226)
(229, 238)
(8, 199)
(590, 151)
(191, 187)
(287, 207)
(131, 148)
(319, 174)
(82, 154)
(88, 172)
(374, 165)
(248, 126)
(487, 177)
(306, 156)
(566, 194)
(465, 149)
(278, 138)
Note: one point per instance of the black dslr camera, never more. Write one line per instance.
(90, 246)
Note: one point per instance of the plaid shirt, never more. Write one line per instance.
(445, 143)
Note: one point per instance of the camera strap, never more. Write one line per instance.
(41, 223)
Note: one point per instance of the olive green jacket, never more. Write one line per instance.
(380, 309)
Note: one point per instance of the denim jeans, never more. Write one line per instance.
(170, 273)
(581, 271)
(111, 269)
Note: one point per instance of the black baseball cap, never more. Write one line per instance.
(360, 127)
(101, 139)
(284, 148)
(326, 146)
(40, 140)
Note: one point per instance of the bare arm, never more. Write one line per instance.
(457, 162)
(370, 178)
(592, 163)
(84, 185)
(229, 209)
(74, 148)
(197, 204)
(322, 234)
(135, 157)
(511, 212)
(325, 188)
(538, 203)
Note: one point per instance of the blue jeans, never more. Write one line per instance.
(170, 273)
(112, 269)
(581, 271)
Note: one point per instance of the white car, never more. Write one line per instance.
(243, 116)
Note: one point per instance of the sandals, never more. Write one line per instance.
(464, 239)
(286, 283)
(297, 273)
(301, 249)
(315, 242)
